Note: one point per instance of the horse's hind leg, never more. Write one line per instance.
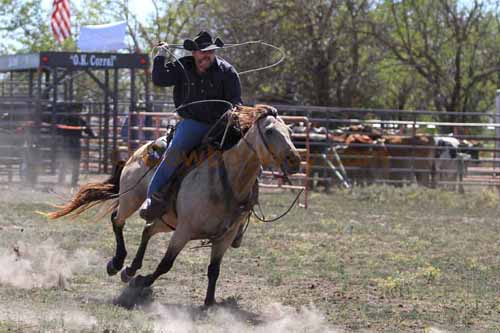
(116, 263)
(118, 218)
(149, 231)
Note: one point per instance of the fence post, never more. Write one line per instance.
(497, 129)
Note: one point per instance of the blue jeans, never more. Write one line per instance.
(187, 136)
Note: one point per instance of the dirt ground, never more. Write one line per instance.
(374, 259)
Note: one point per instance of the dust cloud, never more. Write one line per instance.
(26, 319)
(436, 330)
(275, 317)
(43, 265)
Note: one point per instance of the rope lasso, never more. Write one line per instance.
(228, 46)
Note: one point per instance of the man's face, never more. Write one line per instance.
(203, 60)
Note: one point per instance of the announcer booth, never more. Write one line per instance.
(32, 85)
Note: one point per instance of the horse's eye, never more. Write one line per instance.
(269, 131)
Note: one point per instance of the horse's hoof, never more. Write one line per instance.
(138, 282)
(110, 268)
(209, 304)
(125, 276)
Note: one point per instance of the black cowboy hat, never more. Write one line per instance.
(203, 42)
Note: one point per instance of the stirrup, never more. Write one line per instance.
(156, 207)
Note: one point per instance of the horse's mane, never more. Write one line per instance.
(247, 115)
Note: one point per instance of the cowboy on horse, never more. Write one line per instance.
(207, 202)
(200, 77)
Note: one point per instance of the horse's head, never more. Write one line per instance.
(270, 137)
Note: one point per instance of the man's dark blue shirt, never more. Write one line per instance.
(220, 81)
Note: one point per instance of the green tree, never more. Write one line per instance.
(452, 46)
(328, 58)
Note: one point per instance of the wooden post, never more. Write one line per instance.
(55, 144)
(33, 155)
(88, 120)
(106, 121)
(497, 129)
(71, 87)
(46, 94)
(132, 114)
(98, 110)
(65, 85)
(116, 152)
(30, 84)
(413, 171)
(11, 84)
(146, 90)
(308, 157)
(148, 120)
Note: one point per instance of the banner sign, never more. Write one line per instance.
(93, 60)
(103, 38)
(76, 60)
(17, 62)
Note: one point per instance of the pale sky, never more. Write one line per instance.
(140, 7)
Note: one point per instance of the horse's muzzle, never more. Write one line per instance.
(291, 162)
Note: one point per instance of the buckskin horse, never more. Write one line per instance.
(211, 202)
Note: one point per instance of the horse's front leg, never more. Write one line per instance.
(213, 275)
(116, 263)
(179, 239)
(218, 250)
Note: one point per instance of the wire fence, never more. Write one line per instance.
(435, 149)
(347, 147)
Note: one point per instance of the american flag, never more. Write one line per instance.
(60, 21)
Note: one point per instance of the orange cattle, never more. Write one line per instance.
(364, 159)
(368, 156)
(411, 157)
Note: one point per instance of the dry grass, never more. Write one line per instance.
(375, 259)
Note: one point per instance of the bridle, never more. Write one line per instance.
(263, 139)
(285, 176)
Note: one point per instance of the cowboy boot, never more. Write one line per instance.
(155, 207)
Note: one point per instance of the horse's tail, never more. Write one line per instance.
(91, 194)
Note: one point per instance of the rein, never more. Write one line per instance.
(263, 218)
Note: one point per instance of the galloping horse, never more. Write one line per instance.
(211, 201)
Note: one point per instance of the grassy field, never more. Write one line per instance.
(375, 259)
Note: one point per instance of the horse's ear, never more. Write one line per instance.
(268, 127)
(268, 109)
(271, 111)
